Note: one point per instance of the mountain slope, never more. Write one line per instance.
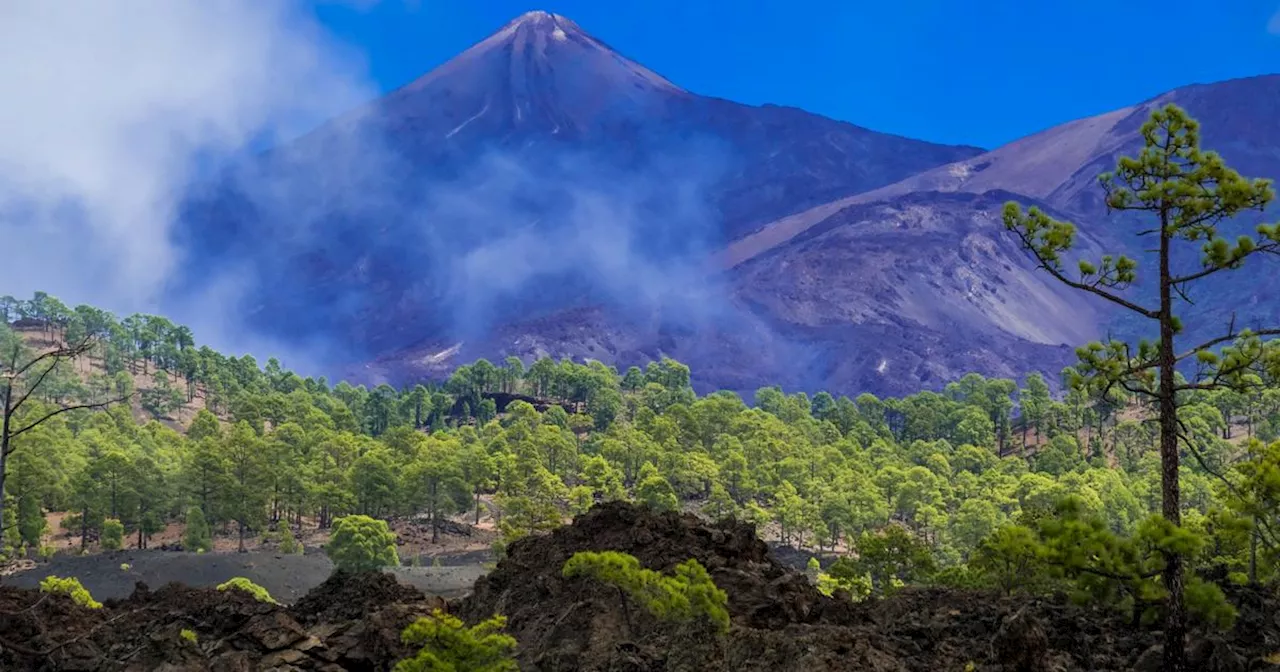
(538, 171)
(1060, 166)
(928, 255)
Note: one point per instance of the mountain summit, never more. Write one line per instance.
(539, 193)
(539, 73)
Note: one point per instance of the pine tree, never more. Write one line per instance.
(197, 538)
(362, 544)
(112, 535)
(288, 543)
(1190, 193)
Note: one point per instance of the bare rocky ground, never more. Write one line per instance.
(347, 623)
(113, 575)
(780, 622)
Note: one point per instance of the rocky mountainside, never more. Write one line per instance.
(916, 283)
(926, 260)
(538, 171)
(541, 194)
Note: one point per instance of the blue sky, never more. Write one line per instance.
(980, 72)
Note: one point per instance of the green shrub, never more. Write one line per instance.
(71, 587)
(189, 635)
(288, 543)
(240, 583)
(197, 537)
(689, 594)
(448, 646)
(844, 574)
(112, 535)
(362, 544)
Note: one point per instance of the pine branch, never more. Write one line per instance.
(1045, 263)
(1270, 247)
(1184, 435)
(66, 351)
(65, 409)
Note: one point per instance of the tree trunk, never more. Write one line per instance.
(240, 532)
(435, 514)
(477, 506)
(4, 449)
(1175, 614)
(4, 456)
(1253, 553)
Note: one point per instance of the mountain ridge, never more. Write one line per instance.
(520, 185)
(435, 199)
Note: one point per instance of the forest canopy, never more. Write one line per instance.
(974, 484)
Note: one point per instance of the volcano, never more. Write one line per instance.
(538, 171)
(542, 194)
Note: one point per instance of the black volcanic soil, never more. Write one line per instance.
(286, 577)
(233, 631)
(780, 622)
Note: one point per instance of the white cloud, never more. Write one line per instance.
(110, 108)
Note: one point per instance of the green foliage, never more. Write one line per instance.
(655, 491)
(581, 499)
(196, 538)
(929, 488)
(893, 557)
(288, 542)
(112, 535)
(189, 635)
(362, 544)
(1188, 193)
(242, 584)
(31, 522)
(1075, 549)
(162, 399)
(688, 595)
(1009, 558)
(449, 646)
(845, 574)
(71, 587)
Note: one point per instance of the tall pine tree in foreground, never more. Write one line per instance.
(1188, 193)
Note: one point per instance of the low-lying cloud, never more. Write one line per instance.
(112, 108)
(354, 245)
(340, 245)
